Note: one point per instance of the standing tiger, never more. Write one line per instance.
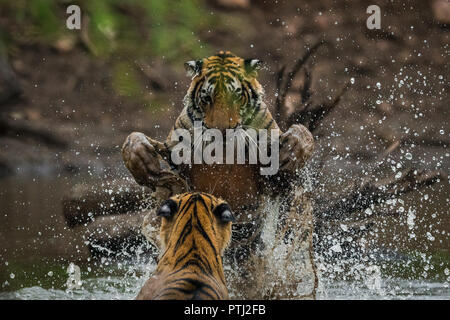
(195, 230)
(225, 94)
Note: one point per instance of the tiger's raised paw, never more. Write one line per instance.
(296, 147)
(141, 159)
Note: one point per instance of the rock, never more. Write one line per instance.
(441, 10)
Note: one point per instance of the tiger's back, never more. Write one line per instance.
(195, 230)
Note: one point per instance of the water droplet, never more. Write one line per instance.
(352, 80)
(336, 248)
(408, 156)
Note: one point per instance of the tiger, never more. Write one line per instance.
(225, 93)
(195, 231)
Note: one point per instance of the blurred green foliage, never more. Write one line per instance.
(125, 80)
(114, 30)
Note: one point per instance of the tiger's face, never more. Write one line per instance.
(224, 93)
(195, 220)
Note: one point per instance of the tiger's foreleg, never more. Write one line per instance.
(295, 229)
(279, 263)
(148, 161)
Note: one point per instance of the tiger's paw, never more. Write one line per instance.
(296, 147)
(141, 159)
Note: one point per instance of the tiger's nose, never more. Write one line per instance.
(221, 117)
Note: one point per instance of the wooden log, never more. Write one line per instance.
(372, 190)
(26, 129)
(118, 236)
(85, 202)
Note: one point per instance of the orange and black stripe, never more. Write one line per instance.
(195, 231)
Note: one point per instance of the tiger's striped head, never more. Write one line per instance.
(224, 93)
(195, 229)
(195, 219)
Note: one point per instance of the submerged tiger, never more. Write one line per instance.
(195, 230)
(225, 94)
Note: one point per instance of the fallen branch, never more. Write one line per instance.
(312, 115)
(117, 235)
(305, 91)
(282, 90)
(371, 191)
(86, 202)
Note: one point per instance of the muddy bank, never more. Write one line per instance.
(399, 85)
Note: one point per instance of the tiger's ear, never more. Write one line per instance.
(223, 213)
(252, 66)
(193, 67)
(167, 209)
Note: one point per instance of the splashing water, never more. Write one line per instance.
(74, 279)
(377, 271)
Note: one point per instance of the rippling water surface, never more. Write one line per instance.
(37, 250)
(126, 287)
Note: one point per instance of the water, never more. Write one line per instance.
(393, 288)
(127, 285)
(37, 249)
(124, 286)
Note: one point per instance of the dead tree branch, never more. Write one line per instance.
(282, 90)
(312, 115)
(373, 191)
